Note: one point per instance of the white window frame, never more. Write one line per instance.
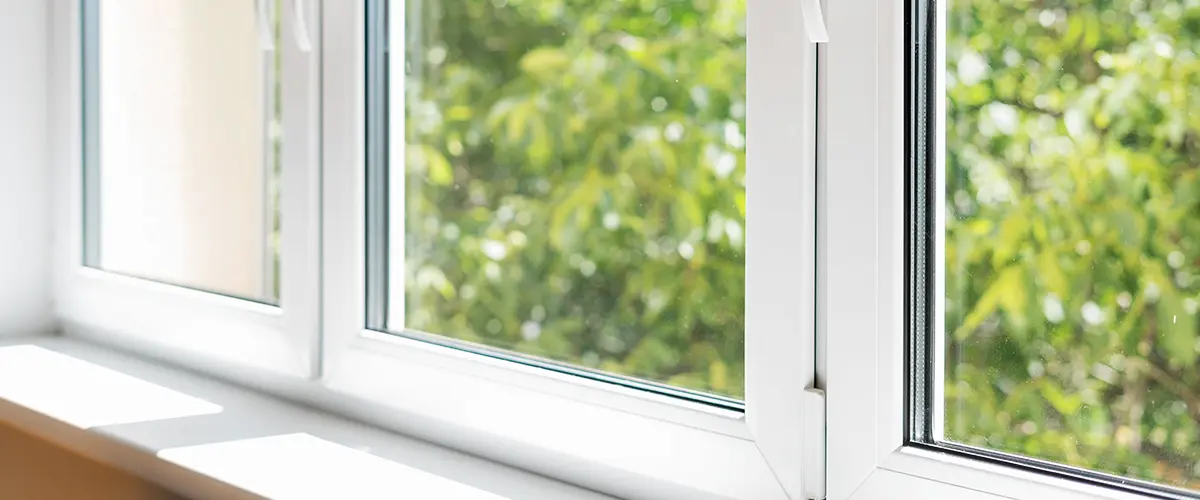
(171, 321)
(861, 293)
(614, 439)
(610, 438)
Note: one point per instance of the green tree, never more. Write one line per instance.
(575, 182)
(1073, 232)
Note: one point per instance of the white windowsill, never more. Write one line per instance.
(204, 438)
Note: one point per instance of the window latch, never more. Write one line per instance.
(814, 21)
(813, 413)
(300, 26)
(263, 17)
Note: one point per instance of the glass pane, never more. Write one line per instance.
(183, 166)
(1072, 235)
(571, 183)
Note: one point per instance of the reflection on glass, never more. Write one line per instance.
(1072, 233)
(188, 114)
(574, 183)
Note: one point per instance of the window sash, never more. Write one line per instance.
(863, 297)
(163, 319)
(385, 214)
(926, 273)
(568, 426)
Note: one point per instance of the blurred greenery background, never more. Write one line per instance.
(1073, 232)
(576, 182)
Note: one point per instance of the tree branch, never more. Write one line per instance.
(1175, 386)
(1028, 107)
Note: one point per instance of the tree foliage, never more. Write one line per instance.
(575, 182)
(1073, 232)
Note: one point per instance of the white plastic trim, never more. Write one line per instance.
(300, 26)
(612, 439)
(814, 21)
(262, 16)
(860, 297)
(181, 323)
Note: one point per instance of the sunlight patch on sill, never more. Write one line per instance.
(86, 395)
(305, 466)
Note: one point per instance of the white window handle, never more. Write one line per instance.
(300, 28)
(266, 40)
(814, 21)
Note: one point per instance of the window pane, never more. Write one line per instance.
(182, 164)
(571, 183)
(1072, 234)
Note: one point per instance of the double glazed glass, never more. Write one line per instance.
(564, 181)
(182, 110)
(1065, 213)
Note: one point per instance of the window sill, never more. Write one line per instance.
(208, 439)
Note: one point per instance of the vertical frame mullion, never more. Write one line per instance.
(299, 184)
(396, 33)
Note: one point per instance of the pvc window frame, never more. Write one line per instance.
(861, 293)
(171, 321)
(612, 438)
(615, 439)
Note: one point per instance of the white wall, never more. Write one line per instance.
(25, 206)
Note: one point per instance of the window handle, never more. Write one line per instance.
(814, 21)
(300, 28)
(263, 17)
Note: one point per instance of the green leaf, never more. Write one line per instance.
(1006, 292)
(583, 197)
(1065, 404)
(1074, 29)
(1091, 33)
(518, 121)
(500, 111)
(690, 207)
(541, 147)
(1051, 273)
(440, 173)
(545, 62)
(1010, 239)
